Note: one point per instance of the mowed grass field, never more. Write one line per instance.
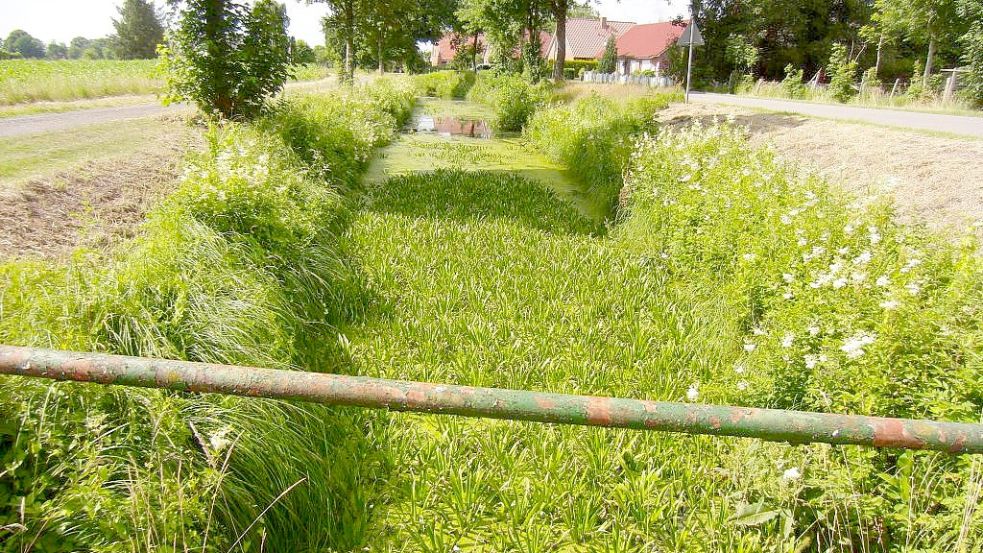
(25, 81)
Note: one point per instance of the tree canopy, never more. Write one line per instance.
(138, 30)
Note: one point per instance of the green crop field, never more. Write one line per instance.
(24, 81)
(583, 248)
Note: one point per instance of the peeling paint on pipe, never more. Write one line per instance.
(775, 425)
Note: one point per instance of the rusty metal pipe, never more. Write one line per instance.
(766, 424)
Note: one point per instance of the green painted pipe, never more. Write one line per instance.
(765, 424)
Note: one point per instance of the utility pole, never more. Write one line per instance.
(689, 68)
(691, 37)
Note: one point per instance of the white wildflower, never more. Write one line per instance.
(787, 340)
(791, 474)
(739, 368)
(863, 258)
(883, 281)
(875, 236)
(853, 347)
(693, 393)
(811, 360)
(890, 304)
(758, 331)
(839, 283)
(788, 295)
(786, 220)
(742, 385)
(749, 257)
(802, 242)
(788, 277)
(913, 288)
(858, 277)
(749, 346)
(813, 330)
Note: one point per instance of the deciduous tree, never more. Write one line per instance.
(138, 30)
(227, 58)
(925, 23)
(21, 42)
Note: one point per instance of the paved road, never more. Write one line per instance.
(955, 124)
(51, 122)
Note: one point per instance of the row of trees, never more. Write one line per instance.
(893, 37)
(139, 29)
(367, 33)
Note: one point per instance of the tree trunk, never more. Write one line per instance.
(474, 54)
(928, 61)
(349, 76)
(214, 16)
(382, 64)
(560, 12)
(880, 57)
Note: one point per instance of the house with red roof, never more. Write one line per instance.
(586, 38)
(646, 47)
(640, 47)
(446, 48)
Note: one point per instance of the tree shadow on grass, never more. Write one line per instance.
(475, 196)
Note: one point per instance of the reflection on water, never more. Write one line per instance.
(450, 126)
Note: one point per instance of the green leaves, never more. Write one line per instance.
(751, 515)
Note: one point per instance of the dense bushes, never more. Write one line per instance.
(513, 98)
(821, 305)
(445, 84)
(594, 137)
(242, 264)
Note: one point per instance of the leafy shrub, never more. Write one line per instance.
(445, 84)
(792, 83)
(594, 136)
(513, 98)
(609, 61)
(842, 73)
(242, 264)
(585, 65)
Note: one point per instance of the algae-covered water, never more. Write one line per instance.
(458, 135)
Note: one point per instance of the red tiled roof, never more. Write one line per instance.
(445, 47)
(587, 37)
(648, 41)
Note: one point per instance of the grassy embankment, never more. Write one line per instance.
(729, 279)
(241, 264)
(31, 81)
(722, 277)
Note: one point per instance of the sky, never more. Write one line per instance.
(61, 20)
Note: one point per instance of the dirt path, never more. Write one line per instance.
(932, 179)
(936, 122)
(51, 122)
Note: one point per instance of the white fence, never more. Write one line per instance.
(615, 78)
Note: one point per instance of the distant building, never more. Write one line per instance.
(640, 47)
(586, 38)
(446, 48)
(646, 47)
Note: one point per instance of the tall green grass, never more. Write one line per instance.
(595, 137)
(242, 264)
(449, 85)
